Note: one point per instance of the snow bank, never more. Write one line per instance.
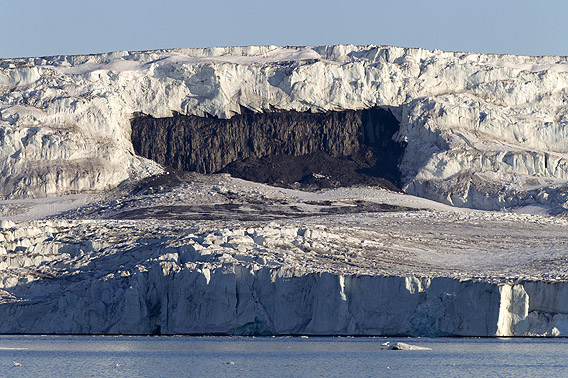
(482, 130)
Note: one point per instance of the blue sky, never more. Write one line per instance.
(39, 28)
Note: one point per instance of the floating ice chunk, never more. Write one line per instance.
(404, 346)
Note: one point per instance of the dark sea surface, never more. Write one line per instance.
(144, 356)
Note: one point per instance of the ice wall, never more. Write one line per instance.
(55, 282)
(486, 131)
(239, 300)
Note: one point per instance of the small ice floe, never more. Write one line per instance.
(9, 348)
(16, 363)
(403, 346)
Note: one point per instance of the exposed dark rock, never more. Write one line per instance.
(312, 171)
(312, 150)
(254, 212)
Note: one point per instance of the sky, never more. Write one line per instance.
(40, 28)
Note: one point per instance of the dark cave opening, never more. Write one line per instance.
(286, 148)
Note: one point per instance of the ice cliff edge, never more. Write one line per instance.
(86, 278)
(483, 131)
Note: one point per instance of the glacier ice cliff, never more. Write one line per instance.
(110, 277)
(483, 131)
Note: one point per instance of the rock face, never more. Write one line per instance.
(483, 131)
(210, 144)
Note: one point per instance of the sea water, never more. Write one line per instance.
(180, 356)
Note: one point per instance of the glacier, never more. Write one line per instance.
(482, 131)
(95, 239)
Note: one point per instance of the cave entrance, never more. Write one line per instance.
(287, 148)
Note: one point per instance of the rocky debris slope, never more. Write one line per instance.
(483, 131)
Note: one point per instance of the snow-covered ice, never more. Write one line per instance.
(483, 131)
